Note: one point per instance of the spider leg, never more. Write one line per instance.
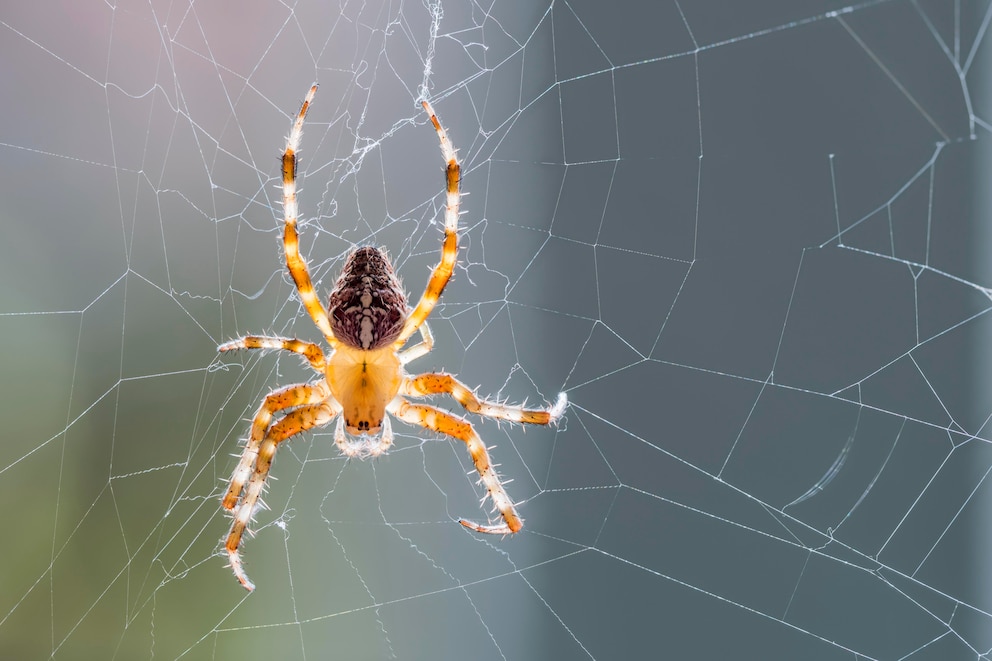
(294, 422)
(449, 249)
(438, 383)
(294, 261)
(456, 427)
(308, 350)
(420, 349)
(284, 398)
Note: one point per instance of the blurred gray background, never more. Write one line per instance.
(749, 240)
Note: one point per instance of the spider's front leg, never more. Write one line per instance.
(451, 425)
(284, 398)
(441, 383)
(259, 449)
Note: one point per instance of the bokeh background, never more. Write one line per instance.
(749, 240)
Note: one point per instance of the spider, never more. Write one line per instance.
(367, 324)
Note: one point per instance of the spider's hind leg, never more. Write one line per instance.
(291, 241)
(422, 348)
(449, 249)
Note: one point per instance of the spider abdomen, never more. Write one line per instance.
(367, 307)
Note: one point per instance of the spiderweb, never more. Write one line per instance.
(749, 240)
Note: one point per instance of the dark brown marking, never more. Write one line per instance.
(289, 166)
(367, 307)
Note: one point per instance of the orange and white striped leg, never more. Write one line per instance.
(441, 383)
(311, 352)
(294, 422)
(456, 427)
(291, 241)
(284, 398)
(421, 349)
(449, 249)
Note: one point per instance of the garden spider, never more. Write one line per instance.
(367, 323)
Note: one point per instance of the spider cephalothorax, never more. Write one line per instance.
(363, 382)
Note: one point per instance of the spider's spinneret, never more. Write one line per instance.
(367, 307)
